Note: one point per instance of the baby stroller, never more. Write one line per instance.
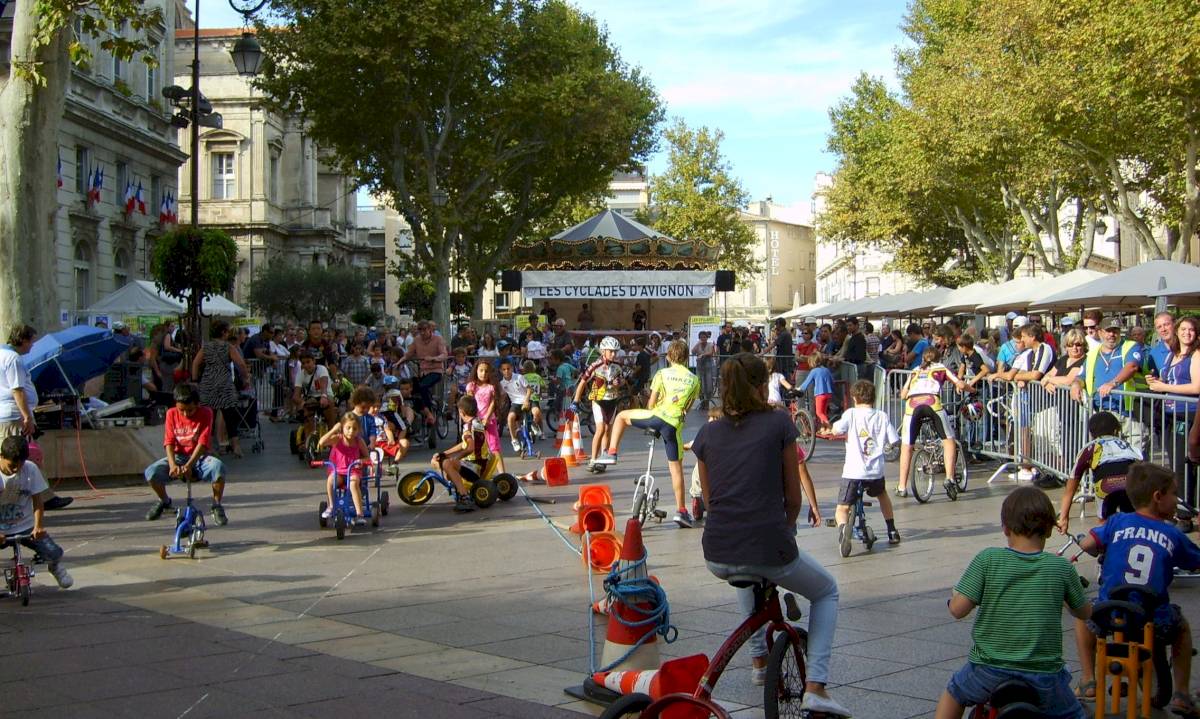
(247, 422)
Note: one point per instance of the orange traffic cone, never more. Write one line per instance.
(603, 551)
(554, 472)
(581, 456)
(674, 676)
(600, 606)
(621, 634)
(534, 476)
(566, 448)
(594, 518)
(593, 494)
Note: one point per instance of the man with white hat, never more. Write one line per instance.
(1009, 350)
(1006, 330)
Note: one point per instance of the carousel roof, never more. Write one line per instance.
(610, 240)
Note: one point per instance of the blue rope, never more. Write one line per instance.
(631, 592)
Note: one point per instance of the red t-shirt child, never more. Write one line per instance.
(182, 434)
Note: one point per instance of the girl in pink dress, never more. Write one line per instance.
(346, 446)
(486, 393)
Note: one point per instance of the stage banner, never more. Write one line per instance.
(617, 285)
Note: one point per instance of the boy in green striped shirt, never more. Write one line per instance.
(1020, 591)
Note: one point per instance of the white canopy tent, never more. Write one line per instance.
(812, 309)
(965, 298)
(1130, 289)
(921, 302)
(1020, 296)
(141, 297)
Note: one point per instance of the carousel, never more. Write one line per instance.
(609, 266)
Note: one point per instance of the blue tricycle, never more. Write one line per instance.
(189, 527)
(343, 501)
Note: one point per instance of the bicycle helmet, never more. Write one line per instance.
(973, 410)
(610, 343)
(391, 380)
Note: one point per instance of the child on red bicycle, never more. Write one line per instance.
(21, 488)
(1020, 590)
(749, 474)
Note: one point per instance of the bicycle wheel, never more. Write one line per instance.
(925, 468)
(960, 468)
(629, 705)
(639, 502)
(412, 489)
(783, 691)
(443, 422)
(808, 432)
(1163, 682)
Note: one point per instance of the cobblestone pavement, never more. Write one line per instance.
(436, 614)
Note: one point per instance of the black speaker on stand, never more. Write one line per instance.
(725, 281)
(510, 280)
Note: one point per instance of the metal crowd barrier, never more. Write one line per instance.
(1027, 424)
(269, 382)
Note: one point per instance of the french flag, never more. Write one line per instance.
(97, 185)
(129, 197)
(139, 199)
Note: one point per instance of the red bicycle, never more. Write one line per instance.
(17, 576)
(786, 644)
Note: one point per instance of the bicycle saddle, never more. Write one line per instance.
(654, 433)
(1021, 710)
(747, 581)
(1013, 692)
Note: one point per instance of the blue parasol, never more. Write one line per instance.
(67, 359)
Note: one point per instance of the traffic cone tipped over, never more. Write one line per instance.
(674, 676)
(534, 476)
(603, 551)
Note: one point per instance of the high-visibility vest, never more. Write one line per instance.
(1089, 371)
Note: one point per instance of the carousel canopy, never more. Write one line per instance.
(611, 241)
(608, 225)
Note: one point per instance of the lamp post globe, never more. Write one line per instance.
(247, 55)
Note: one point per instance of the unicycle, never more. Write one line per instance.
(645, 494)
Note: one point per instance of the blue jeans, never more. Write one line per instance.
(805, 577)
(974, 683)
(208, 469)
(45, 546)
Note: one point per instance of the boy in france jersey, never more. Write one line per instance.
(1142, 548)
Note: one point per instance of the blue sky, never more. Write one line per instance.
(763, 71)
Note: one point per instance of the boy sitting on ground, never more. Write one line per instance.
(473, 448)
(1144, 548)
(1108, 457)
(1020, 590)
(21, 510)
(187, 435)
(868, 433)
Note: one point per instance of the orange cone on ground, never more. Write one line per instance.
(594, 518)
(581, 457)
(534, 476)
(554, 472)
(674, 676)
(566, 448)
(603, 551)
(593, 494)
(621, 636)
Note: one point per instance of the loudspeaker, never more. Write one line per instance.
(725, 281)
(510, 281)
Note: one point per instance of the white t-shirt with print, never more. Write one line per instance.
(516, 388)
(868, 432)
(16, 498)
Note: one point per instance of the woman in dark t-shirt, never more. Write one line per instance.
(752, 480)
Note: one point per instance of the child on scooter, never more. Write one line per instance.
(346, 446)
(1020, 590)
(1144, 547)
(821, 380)
(474, 446)
(868, 433)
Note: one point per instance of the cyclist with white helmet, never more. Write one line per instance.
(602, 382)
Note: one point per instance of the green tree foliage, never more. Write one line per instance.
(310, 292)
(507, 108)
(1021, 122)
(364, 317)
(416, 296)
(194, 264)
(697, 198)
(33, 84)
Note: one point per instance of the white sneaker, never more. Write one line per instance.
(62, 576)
(758, 676)
(327, 514)
(1026, 475)
(825, 705)
(516, 443)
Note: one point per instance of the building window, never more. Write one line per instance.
(83, 276)
(152, 74)
(83, 169)
(121, 268)
(872, 286)
(118, 66)
(501, 299)
(155, 196)
(273, 178)
(223, 182)
(122, 182)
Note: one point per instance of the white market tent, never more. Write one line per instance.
(922, 301)
(1130, 289)
(141, 297)
(1020, 296)
(965, 298)
(808, 310)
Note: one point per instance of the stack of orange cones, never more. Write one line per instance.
(594, 512)
(621, 636)
(675, 676)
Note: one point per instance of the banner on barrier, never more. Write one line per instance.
(617, 285)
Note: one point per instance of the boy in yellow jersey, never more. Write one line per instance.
(672, 392)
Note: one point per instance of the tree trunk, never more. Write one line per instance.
(441, 297)
(29, 122)
(477, 300)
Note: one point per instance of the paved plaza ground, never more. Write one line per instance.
(440, 615)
